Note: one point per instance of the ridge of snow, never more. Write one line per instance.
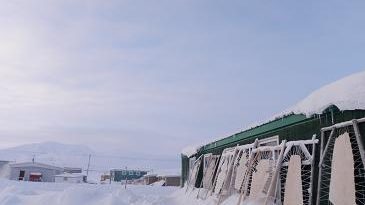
(53, 147)
(347, 93)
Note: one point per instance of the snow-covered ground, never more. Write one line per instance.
(36, 193)
(33, 193)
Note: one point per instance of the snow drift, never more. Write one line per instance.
(347, 94)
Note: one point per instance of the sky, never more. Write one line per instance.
(151, 77)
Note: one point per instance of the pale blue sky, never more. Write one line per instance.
(128, 74)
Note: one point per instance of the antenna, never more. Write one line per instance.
(88, 166)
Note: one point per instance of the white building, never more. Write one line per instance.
(34, 171)
(70, 178)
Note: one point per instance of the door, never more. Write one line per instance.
(21, 175)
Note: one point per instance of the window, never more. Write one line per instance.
(124, 172)
(138, 173)
(130, 172)
(271, 141)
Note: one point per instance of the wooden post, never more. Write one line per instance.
(126, 177)
(88, 167)
(312, 169)
(359, 141)
(275, 178)
(327, 145)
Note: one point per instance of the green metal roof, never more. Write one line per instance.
(259, 130)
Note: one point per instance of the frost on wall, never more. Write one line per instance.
(264, 170)
(241, 170)
(342, 185)
(293, 185)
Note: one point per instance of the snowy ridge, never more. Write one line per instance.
(16, 193)
(52, 153)
(347, 94)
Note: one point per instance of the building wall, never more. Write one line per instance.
(121, 175)
(48, 175)
(72, 170)
(150, 180)
(4, 169)
(172, 181)
(60, 179)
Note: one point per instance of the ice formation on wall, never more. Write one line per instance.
(293, 185)
(342, 185)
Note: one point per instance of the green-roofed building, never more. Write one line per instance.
(292, 126)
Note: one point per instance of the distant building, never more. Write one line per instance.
(3, 163)
(150, 179)
(34, 171)
(4, 169)
(105, 178)
(170, 180)
(73, 170)
(118, 175)
(70, 178)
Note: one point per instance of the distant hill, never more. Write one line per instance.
(71, 155)
(52, 147)
(49, 152)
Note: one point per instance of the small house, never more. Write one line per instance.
(150, 179)
(170, 180)
(34, 171)
(105, 178)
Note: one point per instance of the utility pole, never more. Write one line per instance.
(126, 177)
(88, 167)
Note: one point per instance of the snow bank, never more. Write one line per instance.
(28, 193)
(347, 94)
(33, 193)
(181, 198)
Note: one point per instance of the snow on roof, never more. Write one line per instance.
(70, 175)
(169, 175)
(150, 175)
(347, 93)
(36, 173)
(35, 164)
(190, 150)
